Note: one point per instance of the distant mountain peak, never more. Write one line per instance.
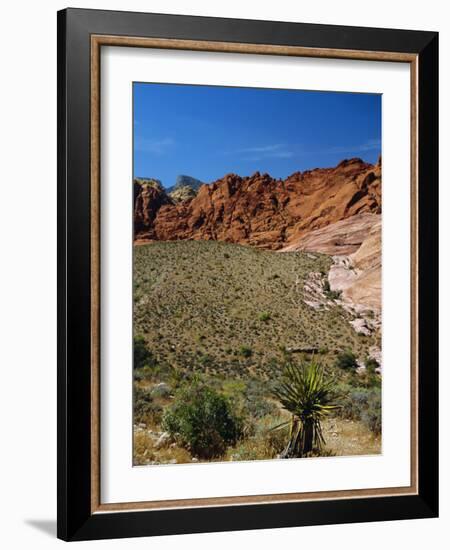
(185, 188)
(185, 181)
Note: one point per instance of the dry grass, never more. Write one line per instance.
(350, 437)
(146, 453)
(343, 438)
(226, 309)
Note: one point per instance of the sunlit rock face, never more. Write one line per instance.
(262, 211)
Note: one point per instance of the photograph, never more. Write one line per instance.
(257, 274)
(247, 292)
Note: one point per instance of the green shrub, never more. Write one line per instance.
(247, 450)
(258, 407)
(142, 357)
(145, 409)
(368, 378)
(372, 364)
(161, 391)
(275, 441)
(233, 387)
(139, 374)
(264, 316)
(331, 294)
(346, 360)
(205, 360)
(245, 351)
(371, 416)
(265, 442)
(334, 294)
(362, 404)
(202, 421)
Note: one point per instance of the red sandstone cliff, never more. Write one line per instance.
(259, 210)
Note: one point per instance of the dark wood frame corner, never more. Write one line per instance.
(81, 34)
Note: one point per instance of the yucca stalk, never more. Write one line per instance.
(306, 394)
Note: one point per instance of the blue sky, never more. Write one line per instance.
(207, 131)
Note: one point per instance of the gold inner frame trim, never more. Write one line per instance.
(97, 41)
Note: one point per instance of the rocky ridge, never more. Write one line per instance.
(259, 210)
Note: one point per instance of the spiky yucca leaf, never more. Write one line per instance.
(306, 394)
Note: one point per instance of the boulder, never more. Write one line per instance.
(163, 441)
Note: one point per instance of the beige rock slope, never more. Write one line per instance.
(337, 239)
(355, 244)
(358, 275)
(366, 288)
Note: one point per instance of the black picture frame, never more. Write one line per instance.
(75, 518)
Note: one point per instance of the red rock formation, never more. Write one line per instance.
(259, 210)
(149, 196)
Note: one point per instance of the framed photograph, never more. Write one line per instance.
(247, 252)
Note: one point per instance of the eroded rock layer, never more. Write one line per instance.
(259, 210)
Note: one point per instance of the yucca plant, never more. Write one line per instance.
(306, 394)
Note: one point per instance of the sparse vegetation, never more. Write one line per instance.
(185, 289)
(213, 337)
(361, 404)
(334, 294)
(146, 410)
(372, 364)
(331, 294)
(346, 360)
